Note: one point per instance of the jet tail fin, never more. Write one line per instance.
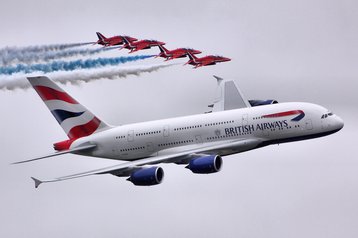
(228, 96)
(162, 49)
(100, 36)
(192, 57)
(76, 120)
(126, 41)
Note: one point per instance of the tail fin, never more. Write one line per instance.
(162, 49)
(192, 57)
(101, 37)
(126, 41)
(76, 120)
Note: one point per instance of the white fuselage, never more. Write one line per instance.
(135, 141)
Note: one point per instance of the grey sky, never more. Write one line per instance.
(286, 50)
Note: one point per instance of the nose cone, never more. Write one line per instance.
(225, 59)
(339, 124)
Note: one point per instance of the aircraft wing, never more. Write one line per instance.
(125, 169)
(177, 55)
(139, 47)
(228, 96)
(115, 42)
(208, 62)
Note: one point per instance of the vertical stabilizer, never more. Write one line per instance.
(228, 96)
(76, 120)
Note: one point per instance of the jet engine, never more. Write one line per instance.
(206, 164)
(147, 176)
(255, 103)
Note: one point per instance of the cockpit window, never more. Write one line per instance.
(327, 115)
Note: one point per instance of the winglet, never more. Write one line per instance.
(218, 79)
(37, 182)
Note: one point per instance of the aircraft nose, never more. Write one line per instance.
(339, 123)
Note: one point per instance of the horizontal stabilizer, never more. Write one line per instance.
(80, 148)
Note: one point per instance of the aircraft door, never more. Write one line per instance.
(166, 131)
(309, 125)
(198, 140)
(245, 120)
(130, 135)
(150, 147)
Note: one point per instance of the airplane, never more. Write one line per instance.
(139, 45)
(177, 53)
(206, 60)
(234, 125)
(112, 41)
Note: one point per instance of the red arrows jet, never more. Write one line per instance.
(111, 41)
(205, 61)
(139, 45)
(177, 53)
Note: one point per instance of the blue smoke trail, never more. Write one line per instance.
(33, 56)
(71, 65)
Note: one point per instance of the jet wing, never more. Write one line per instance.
(125, 169)
(178, 55)
(115, 42)
(228, 96)
(139, 47)
(208, 62)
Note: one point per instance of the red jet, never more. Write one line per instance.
(111, 41)
(177, 53)
(139, 45)
(205, 61)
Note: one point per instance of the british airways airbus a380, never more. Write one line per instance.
(235, 125)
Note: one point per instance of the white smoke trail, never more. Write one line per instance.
(19, 81)
(28, 57)
(41, 48)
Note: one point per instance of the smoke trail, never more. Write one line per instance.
(71, 65)
(41, 48)
(76, 77)
(34, 57)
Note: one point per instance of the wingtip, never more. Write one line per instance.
(218, 79)
(37, 182)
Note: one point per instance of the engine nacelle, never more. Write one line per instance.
(255, 103)
(205, 164)
(147, 176)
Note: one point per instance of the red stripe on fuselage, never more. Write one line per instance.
(283, 114)
(84, 130)
(47, 93)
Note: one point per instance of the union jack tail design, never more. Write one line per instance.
(76, 120)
